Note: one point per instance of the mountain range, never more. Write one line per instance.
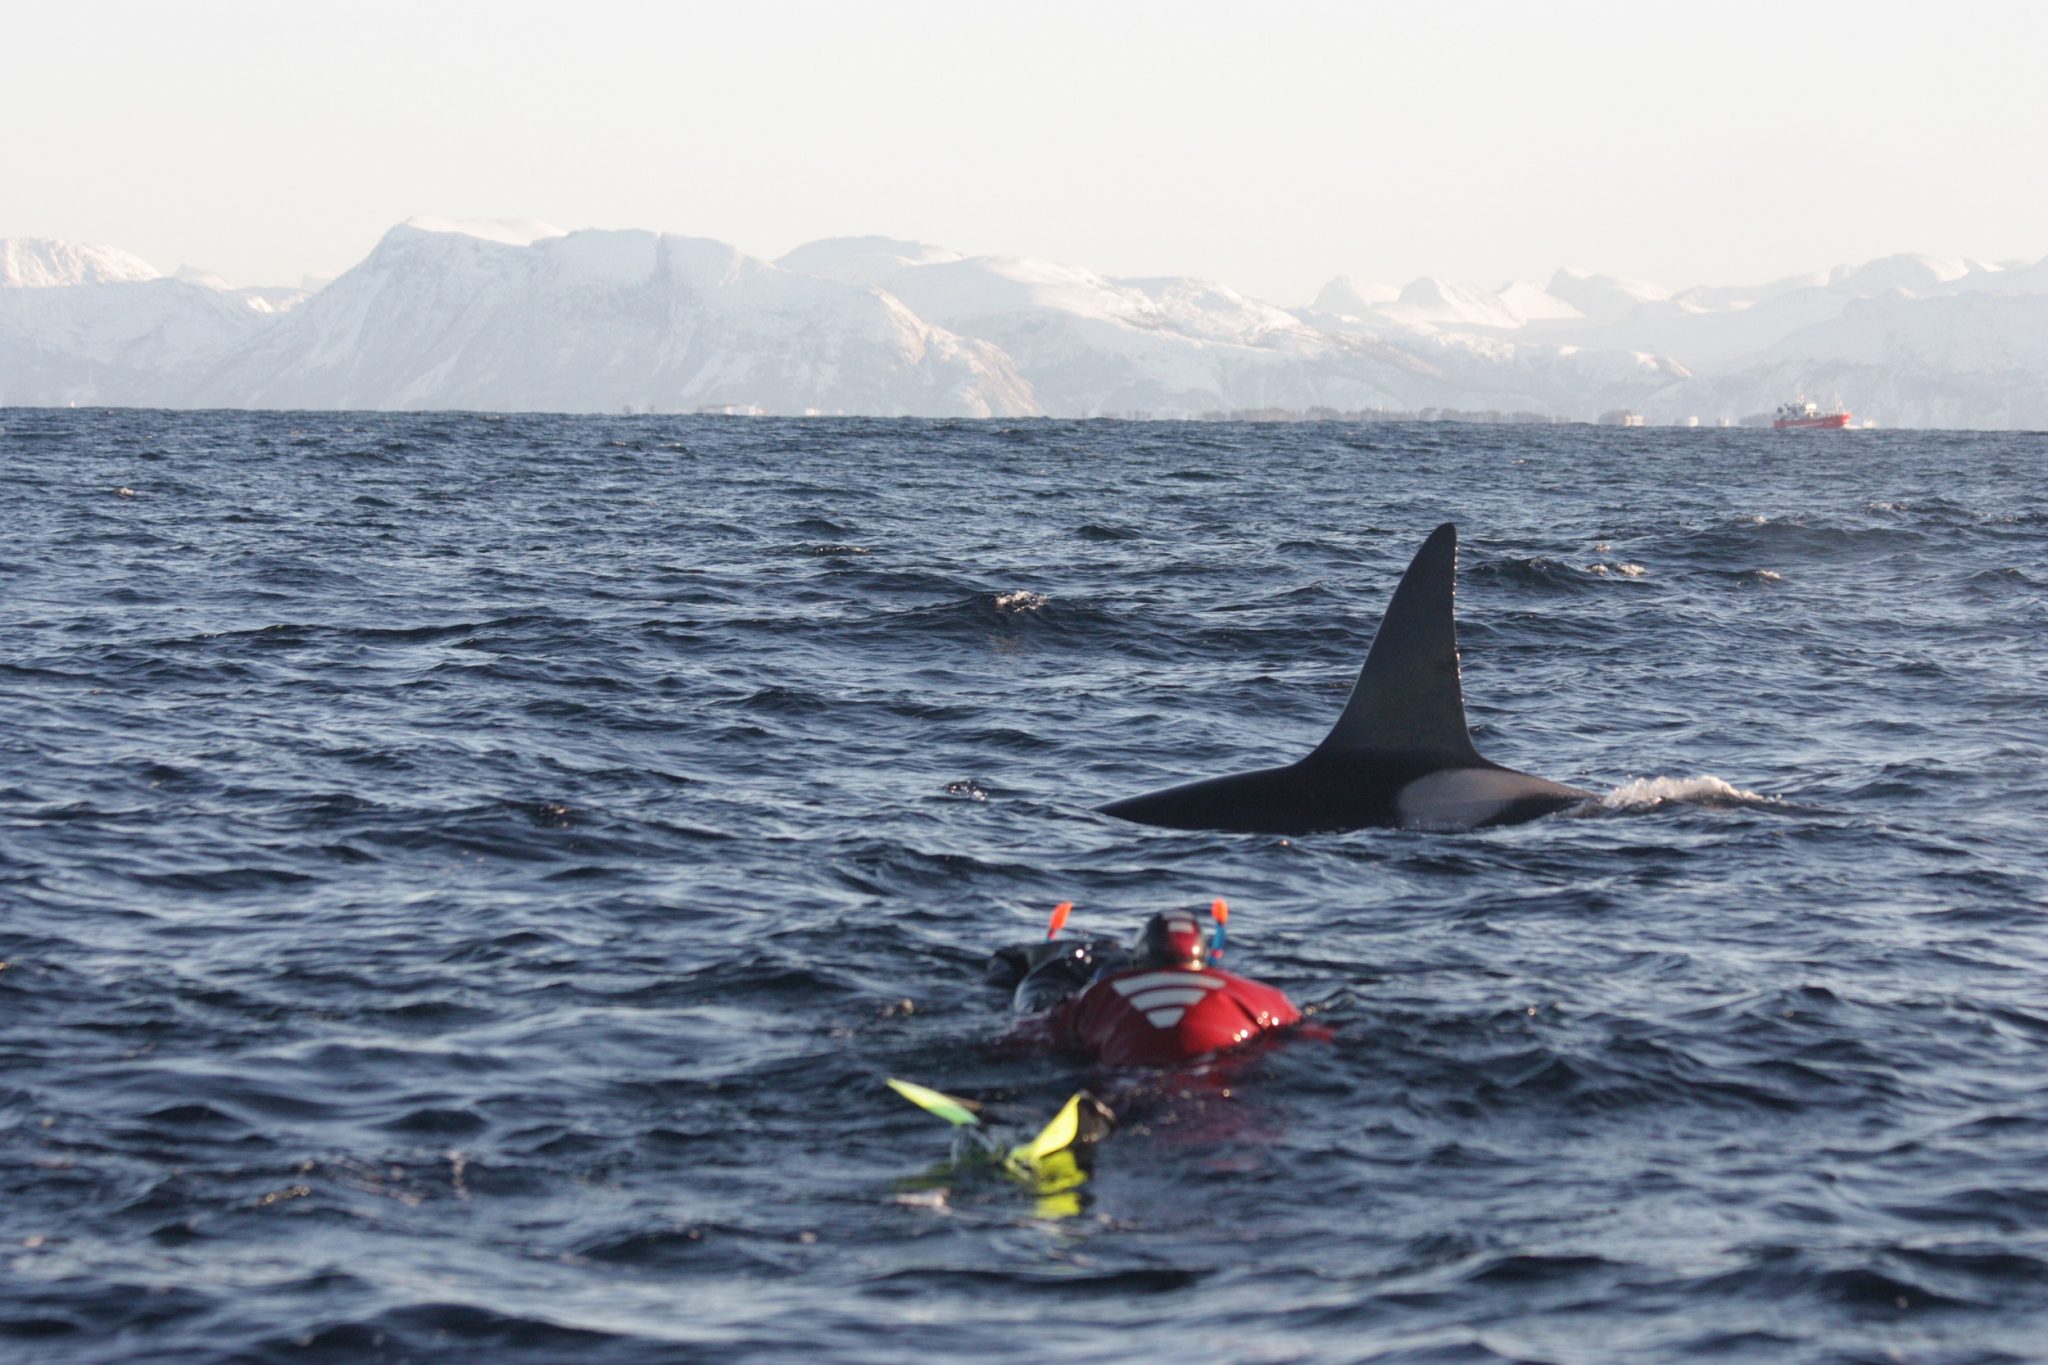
(522, 316)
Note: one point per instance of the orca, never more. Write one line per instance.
(1401, 754)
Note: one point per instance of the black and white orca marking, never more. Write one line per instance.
(1401, 754)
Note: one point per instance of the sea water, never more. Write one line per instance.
(464, 880)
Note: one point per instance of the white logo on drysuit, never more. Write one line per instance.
(1165, 996)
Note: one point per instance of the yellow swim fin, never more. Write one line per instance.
(958, 1112)
(1056, 1136)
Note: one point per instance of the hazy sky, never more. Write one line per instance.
(1269, 145)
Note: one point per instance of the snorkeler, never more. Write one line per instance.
(1158, 1001)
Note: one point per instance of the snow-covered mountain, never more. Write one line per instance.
(1092, 345)
(262, 298)
(1968, 359)
(1441, 303)
(1891, 339)
(522, 315)
(508, 316)
(1178, 347)
(46, 263)
(1345, 297)
(1603, 298)
(95, 324)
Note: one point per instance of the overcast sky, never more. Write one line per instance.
(1269, 145)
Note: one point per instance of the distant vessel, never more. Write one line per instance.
(1808, 417)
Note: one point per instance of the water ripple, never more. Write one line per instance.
(463, 879)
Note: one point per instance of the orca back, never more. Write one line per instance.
(1401, 753)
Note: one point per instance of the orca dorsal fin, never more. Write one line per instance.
(1407, 697)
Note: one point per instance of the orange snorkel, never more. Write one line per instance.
(1059, 920)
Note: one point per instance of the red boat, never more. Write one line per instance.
(1808, 417)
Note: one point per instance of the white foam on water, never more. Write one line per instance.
(1019, 600)
(1648, 793)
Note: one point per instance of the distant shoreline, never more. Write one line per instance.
(1244, 417)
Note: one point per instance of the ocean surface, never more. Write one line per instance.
(464, 880)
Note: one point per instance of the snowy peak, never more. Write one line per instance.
(504, 231)
(1437, 304)
(205, 279)
(868, 261)
(1908, 270)
(1604, 298)
(951, 289)
(1443, 303)
(1733, 298)
(1346, 297)
(46, 263)
(1534, 303)
(548, 258)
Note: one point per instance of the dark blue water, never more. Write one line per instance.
(464, 879)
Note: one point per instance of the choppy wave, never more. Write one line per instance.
(464, 878)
